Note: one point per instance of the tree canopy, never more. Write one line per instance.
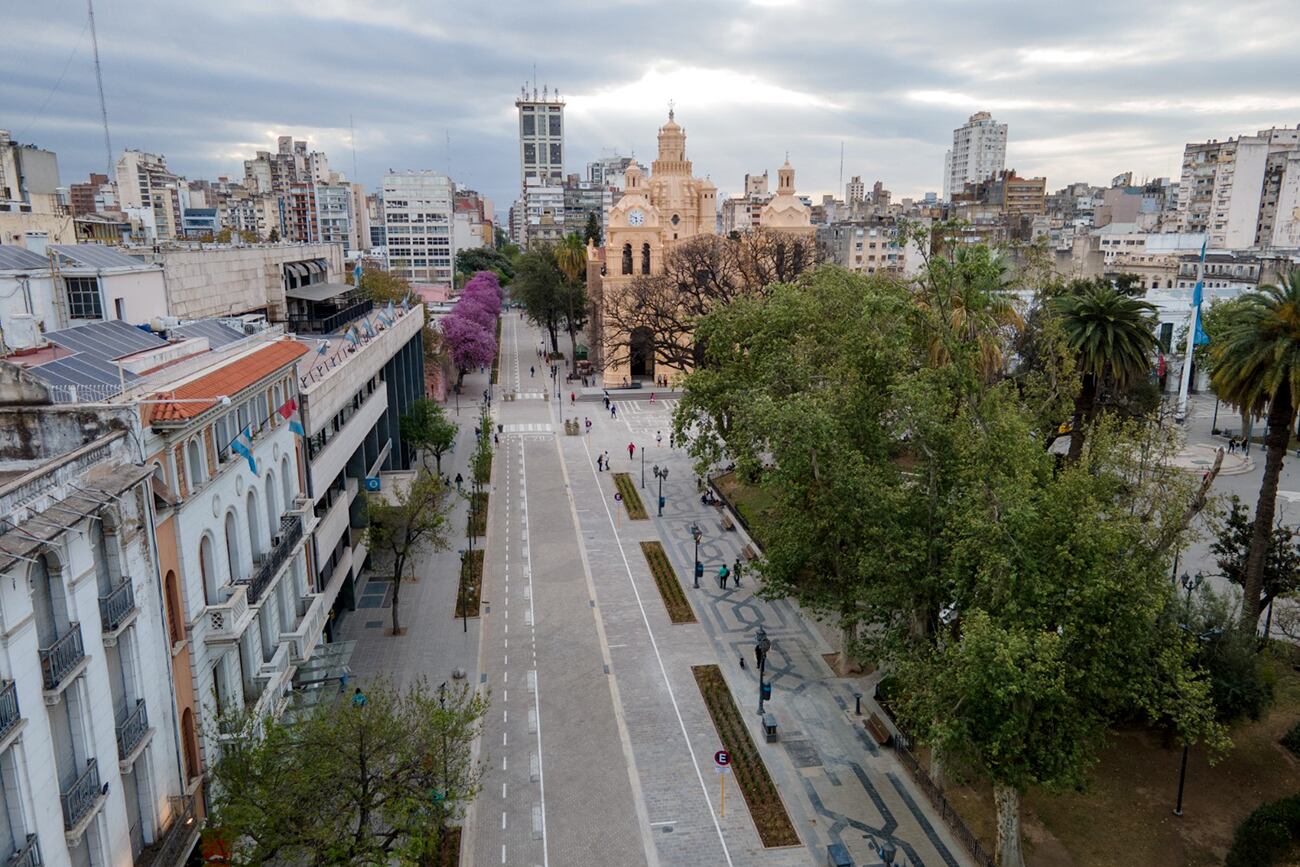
(426, 428)
(403, 523)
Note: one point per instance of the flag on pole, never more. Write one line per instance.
(289, 411)
(322, 346)
(245, 450)
(356, 274)
(351, 335)
(370, 332)
(1198, 292)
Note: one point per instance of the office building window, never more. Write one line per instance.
(83, 298)
(530, 124)
(530, 154)
(555, 154)
(554, 125)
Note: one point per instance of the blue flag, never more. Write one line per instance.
(352, 335)
(356, 274)
(1197, 293)
(238, 447)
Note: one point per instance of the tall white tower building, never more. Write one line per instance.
(979, 149)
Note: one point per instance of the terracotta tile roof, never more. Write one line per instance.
(229, 379)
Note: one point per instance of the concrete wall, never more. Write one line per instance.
(144, 294)
(228, 281)
(15, 227)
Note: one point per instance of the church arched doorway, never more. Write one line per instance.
(641, 353)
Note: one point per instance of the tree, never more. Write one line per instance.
(475, 259)
(539, 287)
(1231, 549)
(1113, 336)
(701, 274)
(401, 524)
(1256, 367)
(350, 781)
(425, 428)
(274, 237)
(224, 235)
(382, 286)
(469, 344)
(571, 259)
(967, 303)
(592, 232)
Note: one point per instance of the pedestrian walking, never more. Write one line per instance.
(587, 421)
(573, 399)
(460, 480)
(496, 439)
(600, 463)
(606, 401)
(606, 456)
(613, 410)
(659, 438)
(735, 572)
(631, 450)
(532, 371)
(722, 577)
(652, 398)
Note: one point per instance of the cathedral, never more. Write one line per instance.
(655, 213)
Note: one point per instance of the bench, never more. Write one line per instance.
(748, 553)
(727, 523)
(878, 730)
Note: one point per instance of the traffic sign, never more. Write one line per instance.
(618, 498)
(372, 483)
(722, 757)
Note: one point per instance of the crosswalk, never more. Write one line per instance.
(534, 427)
(643, 417)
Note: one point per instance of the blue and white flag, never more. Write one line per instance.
(244, 450)
(351, 335)
(322, 346)
(356, 274)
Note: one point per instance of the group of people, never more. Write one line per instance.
(734, 574)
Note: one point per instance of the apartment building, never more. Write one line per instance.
(89, 771)
(151, 194)
(1229, 189)
(869, 246)
(979, 150)
(742, 213)
(418, 225)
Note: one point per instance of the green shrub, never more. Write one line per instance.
(679, 609)
(631, 499)
(1291, 740)
(1267, 834)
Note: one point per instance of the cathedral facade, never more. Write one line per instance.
(654, 213)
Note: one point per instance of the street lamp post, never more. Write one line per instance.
(886, 852)
(1182, 778)
(762, 644)
(661, 475)
(460, 594)
(1191, 583)
(695, 534)
(642, 467)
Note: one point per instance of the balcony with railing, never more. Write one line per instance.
(28, 855)
(61, 659)
(173, 845)
(80, 798)
(227, 620)
(131, 731)
(273, 561)
(327, 320)
(116, 607)
(9, 715)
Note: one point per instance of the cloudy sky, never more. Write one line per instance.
(1089, 89)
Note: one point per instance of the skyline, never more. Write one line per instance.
(1084, 99)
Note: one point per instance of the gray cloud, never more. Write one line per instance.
(1087, 93)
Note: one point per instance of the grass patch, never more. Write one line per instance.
(750, 501)
(765, 807)
(477, 520)
(679, 610)
(631, 499)
(471, 583)
(1133, 787)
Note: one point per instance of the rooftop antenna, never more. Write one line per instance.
(99, 80)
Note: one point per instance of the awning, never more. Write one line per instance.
(318, 266)
(319, 291)
(295, 268)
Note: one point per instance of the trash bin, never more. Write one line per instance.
(769, 727)
(838, 856)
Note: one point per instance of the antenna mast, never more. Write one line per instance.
(99, 80)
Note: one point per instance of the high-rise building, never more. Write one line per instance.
(151, 194)
(28, 174)
(609, 171)
(541, 136)
(979, 150)
(742, 213)
(854, 191)
(81, 197)
(418, 225)
(1229, 189)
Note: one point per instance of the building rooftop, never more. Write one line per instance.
(95, 256)
(21, 259)
(203, 393)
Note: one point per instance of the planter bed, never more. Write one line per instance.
(670, 589)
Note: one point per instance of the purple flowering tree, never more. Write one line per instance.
(476, 308)
(469, 343)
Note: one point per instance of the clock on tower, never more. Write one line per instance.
(636, 217)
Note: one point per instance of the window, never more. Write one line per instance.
(645, 258)
(83, 298)
(555, 154)
(530, 154)
(530, 124)
(627, 258)
(194, 463)
(555, 127)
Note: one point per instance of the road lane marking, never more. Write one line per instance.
(537, 706)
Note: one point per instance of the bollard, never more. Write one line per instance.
(857, 703)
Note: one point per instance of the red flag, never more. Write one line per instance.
(289, 408)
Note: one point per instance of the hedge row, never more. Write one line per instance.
(679, 610)
(765, 806)
(631, 499)
(478, 512)
(1267, 835)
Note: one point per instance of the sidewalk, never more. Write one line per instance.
(434, 644)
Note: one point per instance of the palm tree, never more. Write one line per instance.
(1256, 364)
(571, 259)
(968, 301)
(1113, 336)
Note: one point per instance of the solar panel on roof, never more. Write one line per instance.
(107, 340)
(96, 256)
(20, 259)
(218, 333)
